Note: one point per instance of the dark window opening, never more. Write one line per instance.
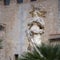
(19, 1)
(33, 0)
(2, 28)
(16, 56)
(6, 2)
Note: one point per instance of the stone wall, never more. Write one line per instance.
(15, 16)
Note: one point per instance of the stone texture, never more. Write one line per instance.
(16, 16)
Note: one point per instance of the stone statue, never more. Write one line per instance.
(35, 28)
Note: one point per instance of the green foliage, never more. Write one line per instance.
(0, 43)
(49, 53)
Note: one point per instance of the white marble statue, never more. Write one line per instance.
(35, 28)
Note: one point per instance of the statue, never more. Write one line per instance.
(35, 28)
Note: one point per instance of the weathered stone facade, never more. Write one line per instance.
(15, 16)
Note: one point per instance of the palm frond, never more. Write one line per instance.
(0, 43)
(49, 53)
